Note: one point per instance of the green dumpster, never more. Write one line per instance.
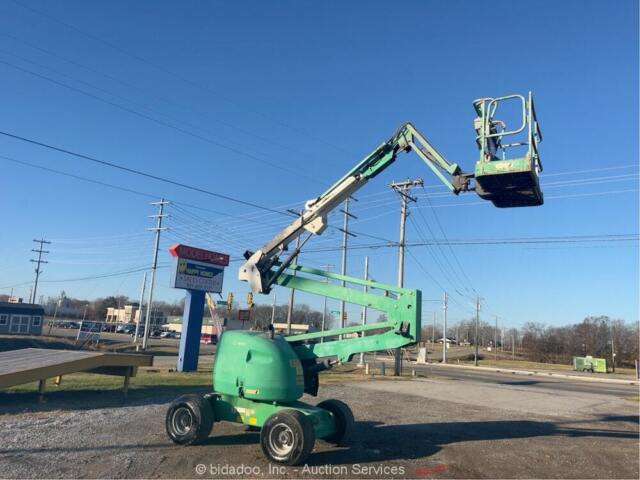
(590, 364)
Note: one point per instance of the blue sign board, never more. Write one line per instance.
(195, 275)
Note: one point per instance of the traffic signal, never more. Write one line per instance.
(229, 301)
(344, 315)
(250, 299)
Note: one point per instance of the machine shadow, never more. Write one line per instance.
(375, 441)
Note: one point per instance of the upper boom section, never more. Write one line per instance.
(505, 181)
(257, 269)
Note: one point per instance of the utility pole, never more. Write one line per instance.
(140, 308)
(613, 351)
(433, 330)
(495, 341)
(364, 307)
(444, 329)
(154, 265)
(324, 308)
(345, 235)
(475, 340)
(55, 314)
(403, 188)
(513, 347)
(292, 292)
(39, 251)
(273, 309)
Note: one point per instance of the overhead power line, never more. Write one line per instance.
(239, 217)
(141, 173)
(146, 92)
(163, 123)
(178, 76)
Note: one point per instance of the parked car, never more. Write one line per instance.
(168, 334)
(208, 339)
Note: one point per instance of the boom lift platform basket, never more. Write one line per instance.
(514, 181)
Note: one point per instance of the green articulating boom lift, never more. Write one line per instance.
(259, 377)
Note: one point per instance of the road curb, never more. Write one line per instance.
(536, 373)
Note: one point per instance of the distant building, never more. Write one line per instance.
(127, 314)
(130, 314)
(21, 318)
(174, 323)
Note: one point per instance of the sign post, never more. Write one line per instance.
(198, 272)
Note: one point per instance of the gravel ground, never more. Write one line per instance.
(402, 430)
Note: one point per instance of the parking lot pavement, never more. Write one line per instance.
(420, 428)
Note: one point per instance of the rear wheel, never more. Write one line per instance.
(287, 437)
(189, 420)
(343, 417)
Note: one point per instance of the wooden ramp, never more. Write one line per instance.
(28, 365)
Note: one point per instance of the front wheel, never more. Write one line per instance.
(287, 437)
(189, 420)
(343, 418)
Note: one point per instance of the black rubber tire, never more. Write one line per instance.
(189, 419)
(343, 418)
(297, 428)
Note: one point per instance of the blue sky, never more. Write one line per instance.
(273, 101)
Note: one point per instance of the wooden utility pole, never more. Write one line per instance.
(140, 308)
(39, 251)
(403, 188)
(433, 330)
(292, 292)
(326, 267)
(345, 235)
(273, 309)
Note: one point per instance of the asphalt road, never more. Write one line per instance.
(533, 382)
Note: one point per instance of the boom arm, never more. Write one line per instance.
(257, 270)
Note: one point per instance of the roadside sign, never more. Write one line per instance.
(244, 315)
(221, 303)
(89, 331)
(194, 253)
(196, 275)
(335, 312)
